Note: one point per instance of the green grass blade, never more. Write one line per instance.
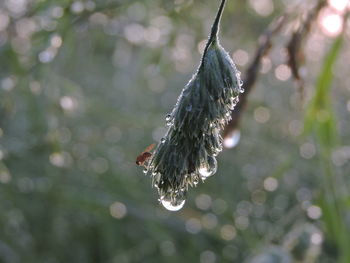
(319, 114)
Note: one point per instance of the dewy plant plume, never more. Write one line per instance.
(186, 155)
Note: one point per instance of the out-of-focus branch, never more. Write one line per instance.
(295, 58)
(295, 53)
(252, 72)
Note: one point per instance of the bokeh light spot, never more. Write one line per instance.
(307, 150)
(262, 114)
(203, 201)
(283, 72)
(193, 225)
(314, 212)
(240, 57)
(270, 184)
(118, 210)
(207, 257)
(331, 23)
(228, 232)
(262, 7)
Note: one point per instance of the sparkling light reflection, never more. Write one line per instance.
(330, 22)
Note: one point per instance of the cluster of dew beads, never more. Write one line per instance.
(240, 82)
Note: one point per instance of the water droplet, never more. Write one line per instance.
(240, 83)
(241, 90)
(228, 114)
(238, 74)
(234, 102)
(154, 173)
(189, 107)
(145, 171)
(223, 122)
(173, 205)
(162, 140)
(233, 139)
(169, 120)
(209, 168)
(219, 149)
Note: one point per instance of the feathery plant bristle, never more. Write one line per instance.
(186, 155)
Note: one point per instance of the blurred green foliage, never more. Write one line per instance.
(85, 87)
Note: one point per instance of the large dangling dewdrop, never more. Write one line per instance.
(186, 155)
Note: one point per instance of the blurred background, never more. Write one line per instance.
(85, 86)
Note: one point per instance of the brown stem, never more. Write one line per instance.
(295, 53)
(253, 70)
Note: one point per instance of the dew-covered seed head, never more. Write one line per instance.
(186, 155)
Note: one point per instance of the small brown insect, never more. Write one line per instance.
(145, 155)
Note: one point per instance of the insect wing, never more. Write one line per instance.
(150, 148)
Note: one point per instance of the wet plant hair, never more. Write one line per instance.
(186, 154)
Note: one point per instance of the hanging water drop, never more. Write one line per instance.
(240, 83)
(189, 107)
(162, 140)
(145, 171)
(232, 140)
(208, 168)
(172, 204)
